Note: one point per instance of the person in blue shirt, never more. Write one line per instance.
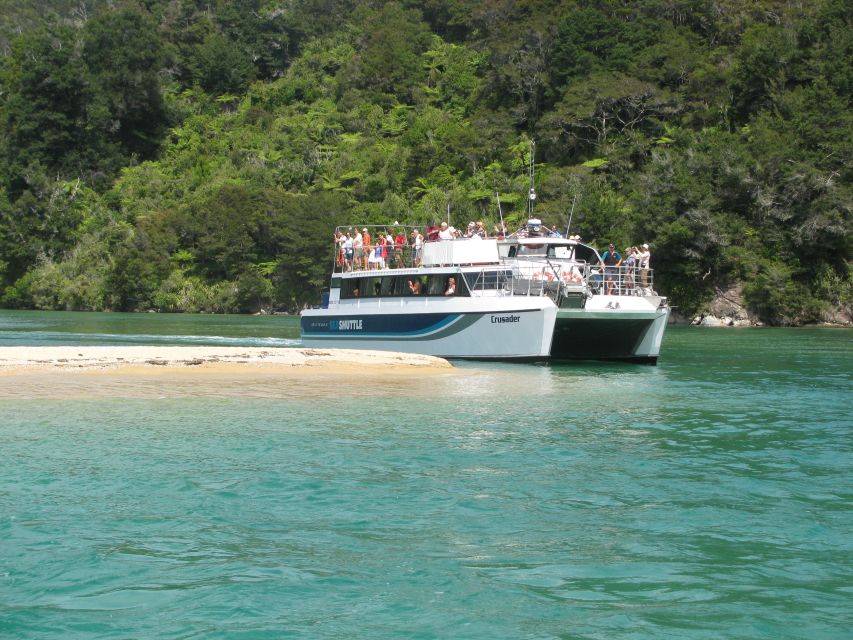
(611, 260)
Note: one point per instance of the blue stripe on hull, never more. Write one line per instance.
(407, 325)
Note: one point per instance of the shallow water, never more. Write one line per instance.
(709, 496)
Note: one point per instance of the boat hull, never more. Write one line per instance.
(605, 334)
(502, 332)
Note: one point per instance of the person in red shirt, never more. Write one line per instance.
(432, 232)
(399, 244)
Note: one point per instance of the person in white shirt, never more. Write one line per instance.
(348, 252)
(445, 233)
(417, 242)
(451, 286)
(357, 246)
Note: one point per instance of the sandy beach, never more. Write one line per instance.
(21, 360)
(69, 371)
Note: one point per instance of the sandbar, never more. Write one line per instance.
(27, 360)
(83, 372)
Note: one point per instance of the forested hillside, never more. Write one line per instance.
(189, 155)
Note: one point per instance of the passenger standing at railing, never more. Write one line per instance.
(432, 231)
(630, 269)
(339, 248)
(417, 243)
(348, 252)
(481, 230)
(399, 246)
(445, 233)
(611, 260)
(644, 258)
(375, 258)
(358, 250)
(388, 249)
(368, 248)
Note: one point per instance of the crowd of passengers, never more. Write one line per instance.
(361, 251)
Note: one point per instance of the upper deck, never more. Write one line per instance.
(382, 248)
(530, 264)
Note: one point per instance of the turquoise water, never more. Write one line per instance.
(707, 497)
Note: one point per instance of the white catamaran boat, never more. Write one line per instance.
(455, 299)
(519, 298)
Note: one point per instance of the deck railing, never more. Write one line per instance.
(533, 276)
(565, 276)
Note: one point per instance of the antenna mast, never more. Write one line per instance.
(571, 213)
(531, 197)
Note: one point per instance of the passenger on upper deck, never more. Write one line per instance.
(432, 232)
(368, 248)
(348, 252)
(445, 233)
(358, 250)
(611, 260)
(399, 246)
(416, 242)
(339, 248)
(643, 261)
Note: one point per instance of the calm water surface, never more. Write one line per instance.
(708, 497)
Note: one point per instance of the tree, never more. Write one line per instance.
(44, 112)
(122, 51)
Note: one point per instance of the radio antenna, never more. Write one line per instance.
(531, 196)
(571, 213)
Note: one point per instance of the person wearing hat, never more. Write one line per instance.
(630, 269)
(610, 261)
(644, 258)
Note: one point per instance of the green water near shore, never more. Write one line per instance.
(709, 496)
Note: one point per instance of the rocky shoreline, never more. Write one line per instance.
(727, 309)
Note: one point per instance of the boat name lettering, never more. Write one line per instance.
(345, 325)
(499, 319)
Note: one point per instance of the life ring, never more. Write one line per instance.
(572, 276)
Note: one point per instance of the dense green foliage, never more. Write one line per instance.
(182, 155)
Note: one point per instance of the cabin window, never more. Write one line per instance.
(351, 288)
(415, 285)
(439, 283)
(532, 250)
(483, 280)
(401, 286)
